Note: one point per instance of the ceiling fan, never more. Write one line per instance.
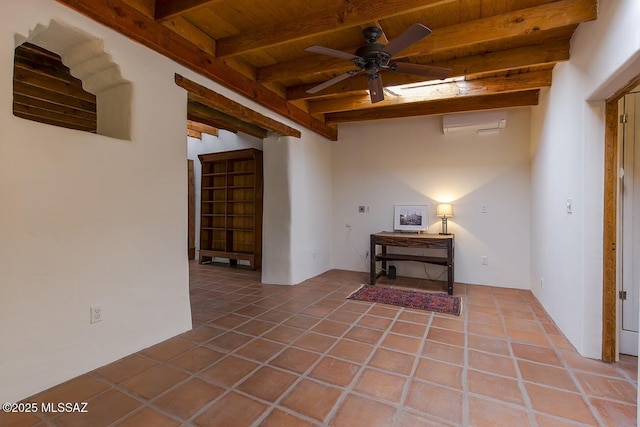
(374, 57)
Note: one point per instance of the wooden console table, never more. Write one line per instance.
(405, 240)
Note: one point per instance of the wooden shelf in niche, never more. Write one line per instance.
(231, 208)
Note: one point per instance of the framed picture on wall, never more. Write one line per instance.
(410, 218)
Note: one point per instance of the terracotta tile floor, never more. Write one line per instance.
(305, 356)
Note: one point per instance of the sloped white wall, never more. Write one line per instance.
(567, 149)
(410, 161)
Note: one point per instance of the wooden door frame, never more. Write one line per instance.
(610, 225)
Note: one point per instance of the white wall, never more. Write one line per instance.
(277, 211)
(297, 201)
(567, 150)
(225, 141)
(87, 220)
(311, 193)
(410, 161)
(297, 208)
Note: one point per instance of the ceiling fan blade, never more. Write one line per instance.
(407, 38)
(332, 81)
(421, 70)
(376, 91)
(332, 52)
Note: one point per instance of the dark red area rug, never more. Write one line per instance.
(441, 303)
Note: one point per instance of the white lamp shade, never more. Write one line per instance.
(444, 210)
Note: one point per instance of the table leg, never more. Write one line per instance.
(372, 261)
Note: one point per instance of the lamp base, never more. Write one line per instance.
(444, 226)
(445, 234)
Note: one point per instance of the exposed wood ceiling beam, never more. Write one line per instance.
(549, 16)
(130, 21)
(204, 114)
(229, 107)
(170, 8)
(194, 134)
(451, 90)
(504, 58)
(457, 105)
(202, 128)
(348, 14)
(547, 53)
(187, 30)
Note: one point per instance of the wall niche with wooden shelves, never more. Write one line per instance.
(231, 207)
(75, 85)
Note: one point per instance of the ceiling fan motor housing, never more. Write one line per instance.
(371, 58)
(371, 34)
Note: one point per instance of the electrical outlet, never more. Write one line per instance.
(541, 283)
(485, 260)
(96, 313)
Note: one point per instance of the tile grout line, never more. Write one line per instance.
(303, 376)
(525, 395)
(414, 367)
(466, 410)
(233, 387)
(345, 392)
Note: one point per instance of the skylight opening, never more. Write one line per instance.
(419, 88)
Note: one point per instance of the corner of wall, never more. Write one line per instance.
(276, 234)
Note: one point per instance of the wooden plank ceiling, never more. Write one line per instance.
(502, 52)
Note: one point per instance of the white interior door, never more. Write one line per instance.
(630, 227)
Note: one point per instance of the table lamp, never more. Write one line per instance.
(444, 210)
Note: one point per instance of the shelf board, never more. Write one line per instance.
(231, 215)
(246, 230)
(225, 254)
(237, 173)
(418, 258)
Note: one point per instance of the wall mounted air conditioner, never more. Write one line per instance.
(478, 122)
